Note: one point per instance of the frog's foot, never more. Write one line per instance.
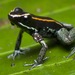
(35, 64)
(72, 52)
(16, 53)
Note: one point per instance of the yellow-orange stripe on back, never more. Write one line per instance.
(40, 19)
(46, 20)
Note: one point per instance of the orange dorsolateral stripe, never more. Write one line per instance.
(40, 19)
(46, 20)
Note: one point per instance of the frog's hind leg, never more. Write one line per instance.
(72, 37)
(72, 52)
(68, 26)
(67, 37)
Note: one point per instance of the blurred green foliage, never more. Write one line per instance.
(57, 64)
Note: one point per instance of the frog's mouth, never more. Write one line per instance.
(12, 23)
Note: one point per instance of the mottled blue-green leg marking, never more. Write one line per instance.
(69, 26)
(38, 38)
(67, 37)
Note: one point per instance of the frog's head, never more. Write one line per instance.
(16, 15)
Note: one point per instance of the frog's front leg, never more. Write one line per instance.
(38, 38)
(67, 37)
(17, 46)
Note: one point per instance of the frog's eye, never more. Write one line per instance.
(17, 11)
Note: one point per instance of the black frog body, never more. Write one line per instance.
(43, 25)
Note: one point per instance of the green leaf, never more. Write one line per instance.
(56, 64)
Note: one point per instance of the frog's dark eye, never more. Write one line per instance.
(17, 11)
